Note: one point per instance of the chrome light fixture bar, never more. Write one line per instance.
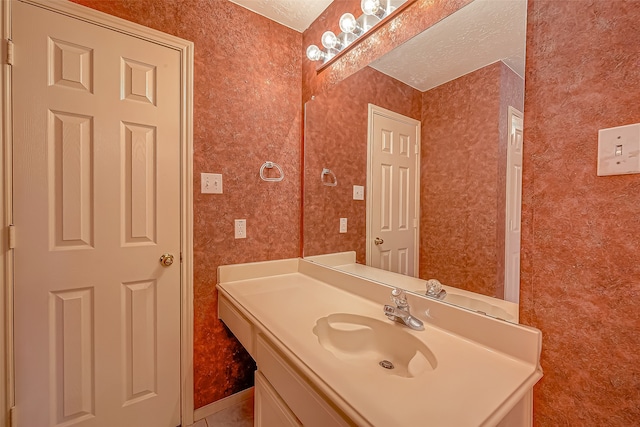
(374, 12)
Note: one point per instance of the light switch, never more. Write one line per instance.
(343, 225)
(211, 183)
(358, 192)
(619, 150)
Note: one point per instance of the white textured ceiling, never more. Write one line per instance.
(481, 33)
(296, 14)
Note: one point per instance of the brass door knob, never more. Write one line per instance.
(378, 241)
(166, 260)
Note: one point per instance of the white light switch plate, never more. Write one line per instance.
(343, 225)
(358, 192)
(619, 150)
(211, 183)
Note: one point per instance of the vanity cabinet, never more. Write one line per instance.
(269, 408)
(283, 396)
(298, 393)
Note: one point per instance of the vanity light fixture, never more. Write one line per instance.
(375, 12)
(351, 29)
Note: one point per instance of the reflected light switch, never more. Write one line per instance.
(619, 150)
(358, 192)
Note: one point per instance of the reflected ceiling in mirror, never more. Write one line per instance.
(479, 34)
(461, 100)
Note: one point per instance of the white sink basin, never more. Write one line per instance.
(371, 344)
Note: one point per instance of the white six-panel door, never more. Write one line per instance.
(96, 204)
(393, 191)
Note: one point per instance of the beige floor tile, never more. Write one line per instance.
(239, 415)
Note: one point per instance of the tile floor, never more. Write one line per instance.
(238, 415)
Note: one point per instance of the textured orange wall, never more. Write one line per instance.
(459, 181)
(246, 110)
(336, 138)
(581, 233)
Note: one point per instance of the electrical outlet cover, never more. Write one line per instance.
(343, 225)
(240, 228)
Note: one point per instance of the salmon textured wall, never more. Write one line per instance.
(581, 233)
(246, 111)
(336, 138)
(459, 181)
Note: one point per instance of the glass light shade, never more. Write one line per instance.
(330, 40)
(314, 53)
(348, 23)
(369, 7)
(372, 7)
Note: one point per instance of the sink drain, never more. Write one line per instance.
(386, 364)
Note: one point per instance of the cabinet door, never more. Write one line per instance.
(270, 409)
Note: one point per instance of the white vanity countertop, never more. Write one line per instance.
(472, 384)
(346, 261)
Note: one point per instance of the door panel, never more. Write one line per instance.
(96, 203)
(394, 192)
(70, 152)
(72, 355)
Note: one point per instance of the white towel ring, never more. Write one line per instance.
(271, 165)
(328, 172)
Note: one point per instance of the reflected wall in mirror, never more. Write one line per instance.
(459, 80)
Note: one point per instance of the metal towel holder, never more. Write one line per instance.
(271, 165)
(328, 172)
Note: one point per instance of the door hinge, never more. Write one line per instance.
(10, 52)
(12, 236)
(12, 417)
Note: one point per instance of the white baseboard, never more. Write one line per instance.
(222, 404)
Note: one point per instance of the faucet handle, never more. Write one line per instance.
(399, 297)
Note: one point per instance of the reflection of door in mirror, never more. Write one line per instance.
(336, 138)
(393, 183)
(513, 207)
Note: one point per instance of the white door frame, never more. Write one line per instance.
(7, 398)
(512, 273)
(6, 260)
(374, 109)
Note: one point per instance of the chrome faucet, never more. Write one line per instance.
(400, 313)
(434, 289)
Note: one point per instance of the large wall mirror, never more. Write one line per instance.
(462, 81)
